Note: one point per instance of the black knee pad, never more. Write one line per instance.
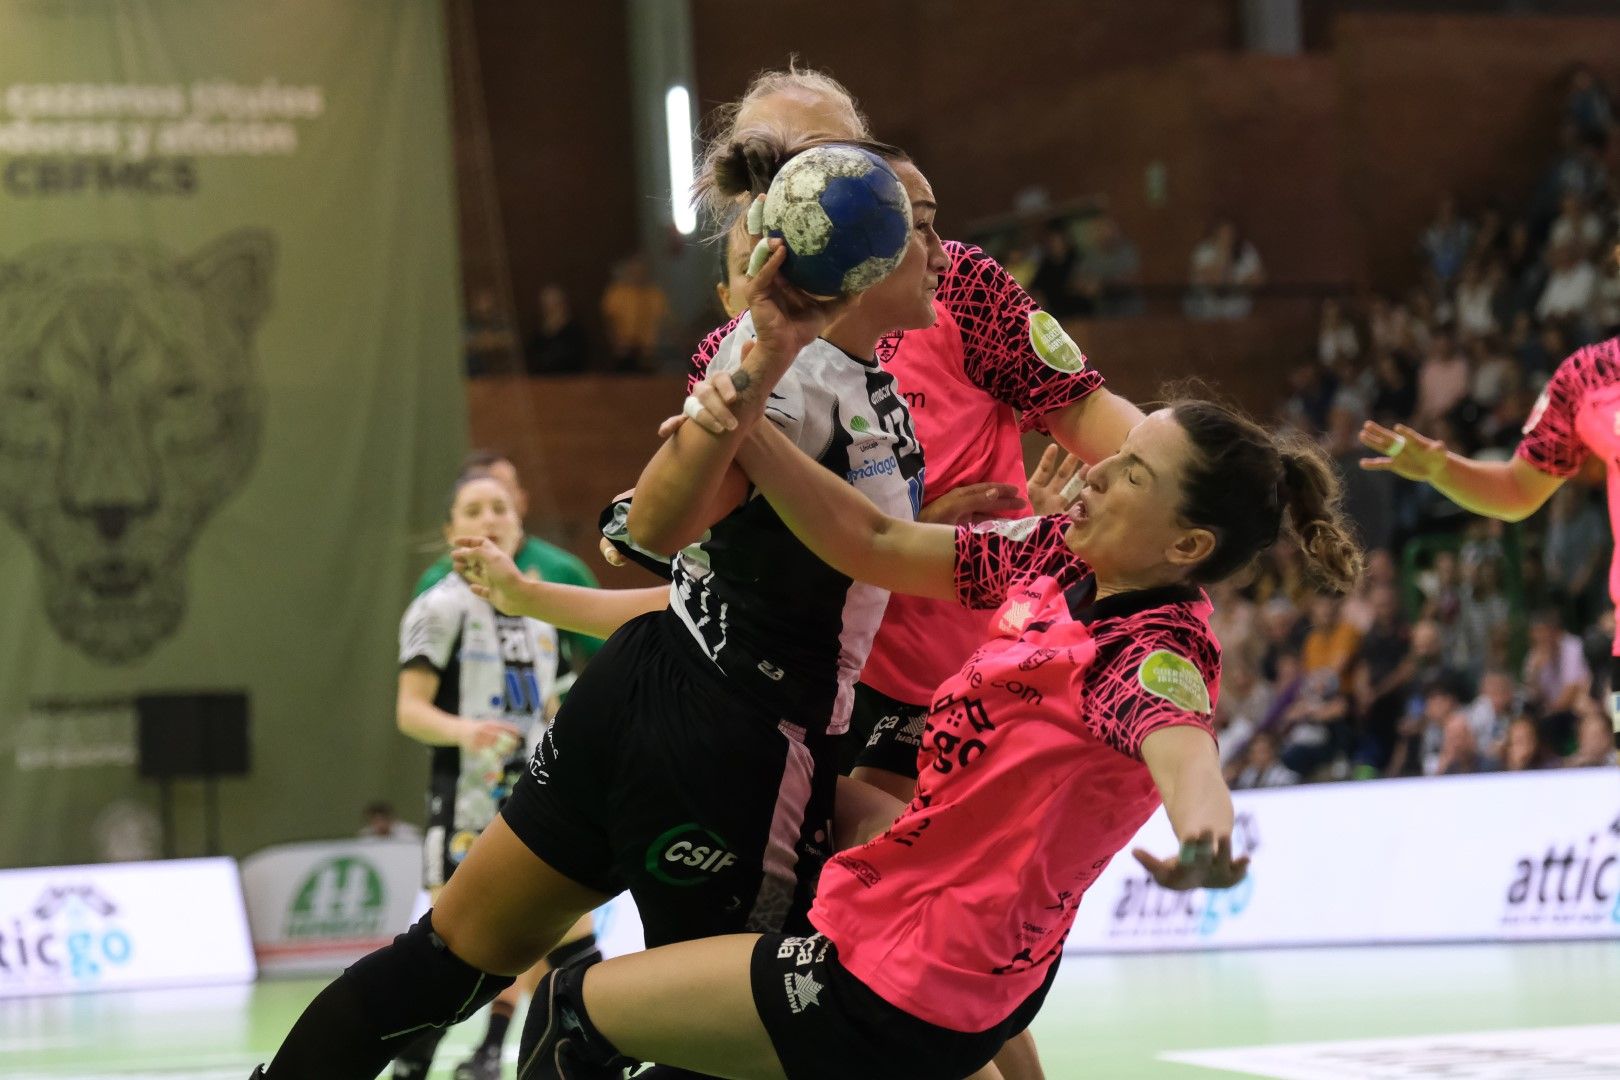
(565, 1044)
(418, 983)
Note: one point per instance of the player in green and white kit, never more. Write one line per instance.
(479, 688)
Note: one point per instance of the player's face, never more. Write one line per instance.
(733, 291)
(905, 299)
(1125, 522)
(507, 474)
(483, 507)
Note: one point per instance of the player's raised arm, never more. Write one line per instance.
(598, 612)
(691, 483)
(1509, 490)
(842, 526)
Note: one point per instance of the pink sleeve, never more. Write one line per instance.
(993, 556)
(1551, 442)
(1125, 702)
(705, 354)
(1000, 324)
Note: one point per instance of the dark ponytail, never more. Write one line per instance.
(1246, 485)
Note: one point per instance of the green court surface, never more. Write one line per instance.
(1489, 1012)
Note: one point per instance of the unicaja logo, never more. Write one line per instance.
(1570, 883)
(1146, 910)
(341, 898)
(72, 931)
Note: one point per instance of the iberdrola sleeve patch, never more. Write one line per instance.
(1174, 678)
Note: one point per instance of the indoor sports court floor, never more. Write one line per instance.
(1485, 1012)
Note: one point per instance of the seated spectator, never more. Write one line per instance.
(557, 346)
(1575, 554)
(1476, 298)
(383, 824)
(1110, 271)
(1261, 767)
(1442, 379)
(1606, 308)
(1315, 726)
(1244, 704)
(1053, 286)
(1313, 389)
(1575, 226)
(1526, 274)
(1481, 609)
(1224, 270)
(487, 339)
(1594, 738)
(633, 309)
(1524, 750)
(1492, 710)
(1555, 670)
(1495, 373)
(1571, 290)
(1335, 337)
(1587, 104)
(1459, 753)
(1332, 641)
(1390, 699)
(1579, 169)
(1396, 393)
(1447, 241)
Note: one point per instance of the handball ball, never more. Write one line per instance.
(844, 217)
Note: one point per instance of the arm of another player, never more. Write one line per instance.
(418, 718)
(842, 526)
(1094, 427)
(691, 483)
(596, 612)
(1186, 767)
(1508, 490)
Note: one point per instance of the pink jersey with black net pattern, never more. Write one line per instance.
(1578, 414)
(989, 368)
(1030, 780)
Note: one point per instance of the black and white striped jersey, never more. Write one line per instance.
(789, 629)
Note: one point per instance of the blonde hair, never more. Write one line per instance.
(723, 135)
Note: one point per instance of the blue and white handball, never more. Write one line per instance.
(844, 216)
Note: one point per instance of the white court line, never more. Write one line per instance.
(1589, 1052)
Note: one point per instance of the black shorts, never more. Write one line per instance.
(883, 733)
(825, 1022)
(659, 778)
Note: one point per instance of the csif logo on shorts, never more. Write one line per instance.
(341, 898)
(71, 932)
(1571, 883)
(688, 854)
(1144, 909)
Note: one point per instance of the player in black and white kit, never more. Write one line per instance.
(477, 687)
(693, 761)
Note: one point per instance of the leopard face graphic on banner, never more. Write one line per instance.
(130, 409)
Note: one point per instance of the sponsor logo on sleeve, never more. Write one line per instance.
(1175, 679)
(1053, 344)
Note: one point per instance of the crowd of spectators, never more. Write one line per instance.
(1471, 646)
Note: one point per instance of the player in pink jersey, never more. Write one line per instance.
(1577, 415)
(1087, 705)
(993, 366)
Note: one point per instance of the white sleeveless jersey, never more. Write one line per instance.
(491, 667)
(790, 630)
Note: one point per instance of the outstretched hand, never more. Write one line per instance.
(1204, 863)
(1406, 453)
(1052, 486)
(972, 503)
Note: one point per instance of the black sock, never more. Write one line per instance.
(500, 1018)
(381, 1005)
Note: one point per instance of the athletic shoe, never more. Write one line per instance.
(485, 1064)
(258, 1074)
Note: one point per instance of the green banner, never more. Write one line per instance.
(229, 401)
